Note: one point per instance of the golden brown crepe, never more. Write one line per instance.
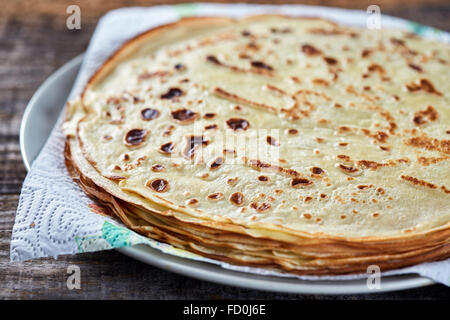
(288, 143)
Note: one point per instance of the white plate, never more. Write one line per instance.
(37, 122)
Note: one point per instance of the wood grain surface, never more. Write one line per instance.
(34, 42)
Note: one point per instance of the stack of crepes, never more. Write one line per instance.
(294, 144)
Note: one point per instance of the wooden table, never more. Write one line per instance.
(34, 42)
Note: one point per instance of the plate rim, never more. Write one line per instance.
(270, 283)
(221, 275)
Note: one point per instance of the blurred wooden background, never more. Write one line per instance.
(34, 42)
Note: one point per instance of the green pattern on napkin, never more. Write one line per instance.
(186, 9)
(116, 236)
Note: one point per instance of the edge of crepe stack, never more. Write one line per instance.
(236, 244)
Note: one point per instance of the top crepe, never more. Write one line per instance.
(283, 126)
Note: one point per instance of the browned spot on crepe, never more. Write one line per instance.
(418, 182)
(172, 93)
(310, 50)
(149, 114)
(237, 198)
(215, 196)
(184, 116)
(158, 185)
(300, 182)
(238, 124)
(423, 85)
(423, 116)
(135, 137)
(167, 148)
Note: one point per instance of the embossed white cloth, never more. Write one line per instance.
(55, 217)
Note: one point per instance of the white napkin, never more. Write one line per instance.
(55, 217)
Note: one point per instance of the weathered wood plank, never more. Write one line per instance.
(110, 275)
(432, 12)
(93, 9)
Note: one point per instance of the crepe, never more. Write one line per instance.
(288, 143)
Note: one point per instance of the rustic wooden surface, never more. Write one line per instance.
(34, 42)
